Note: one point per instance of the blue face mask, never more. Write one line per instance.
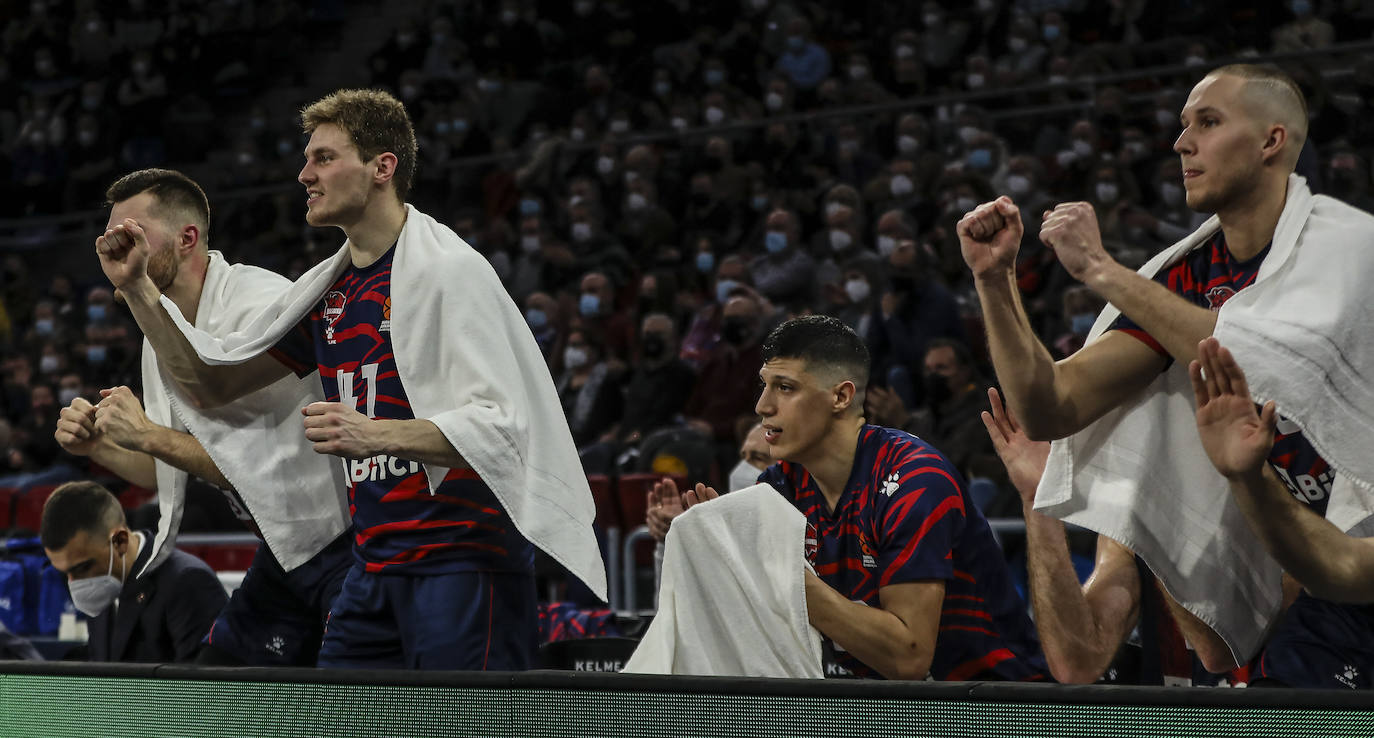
(1301, 8)
(714, 77)
(589, 305)
(1051, 33)
(980, 159)
(775, 241)
(95, 354)
(1081, 323)
(723, 289)
(95, 313)
(530, 206)
(44, 326)
(706, 261)
(536, 318)
(795, 43)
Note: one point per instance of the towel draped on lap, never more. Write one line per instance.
(470, 365)
(258, 442)
(1302, 335)
(733, 597)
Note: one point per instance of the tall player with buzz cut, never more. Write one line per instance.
(1243, 127)
(439, 406)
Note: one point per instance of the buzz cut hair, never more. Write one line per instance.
(1271, 91)
(831, 350)
(376, 123)
(78, 506)
(174, 193)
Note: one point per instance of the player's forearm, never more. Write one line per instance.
(870, 634)
(131, 466)
(174, 351)
(1329, 563)
(417, 440)
(1075, 649)
(184, 452)
(1024, 367)
(1175, 323)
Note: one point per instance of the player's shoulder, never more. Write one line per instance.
(899, 460)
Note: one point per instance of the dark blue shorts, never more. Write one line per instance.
(472, 620)
(276, 618)
(1320, 645)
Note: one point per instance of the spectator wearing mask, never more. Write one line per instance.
(611, 328)
(840, 243)
(783, 272)
(588, 388)
(915, 309)
(136, 615)
(703, 332)
(728, 380)
(659, 386)
(804, 62)
(543, 316)
(1081, 307)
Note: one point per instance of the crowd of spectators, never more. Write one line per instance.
(658, 184)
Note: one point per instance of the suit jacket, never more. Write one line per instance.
(161, 616)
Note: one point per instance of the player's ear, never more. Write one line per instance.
(843, 395)
(386, 167)
(1275, 142)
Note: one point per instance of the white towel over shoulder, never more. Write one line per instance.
(733, 597)
(1301, 332)
(258, 442)
(471, 366)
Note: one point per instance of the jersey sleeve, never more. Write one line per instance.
(774, 477)
(1133, 329)
(296, 350)
(920, 521)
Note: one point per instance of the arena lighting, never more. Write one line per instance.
(69, 699)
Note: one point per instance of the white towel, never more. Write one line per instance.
(1139, 475)
(733, 597)
(294, 494)
(471, 366)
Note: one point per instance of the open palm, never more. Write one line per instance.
(1236, 438)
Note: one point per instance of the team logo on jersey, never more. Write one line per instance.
(333, 310)
(890, 484)
(1217, 296)
(386, 315)
(1348, 676)
(277, 645)
(809, 544)
(870, 561)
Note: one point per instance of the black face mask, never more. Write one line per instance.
(735, 330)
(937, 389)
(654, 346)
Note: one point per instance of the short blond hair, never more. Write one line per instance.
(375, 122)
(1272, 93)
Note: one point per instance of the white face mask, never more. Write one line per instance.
(1018, 184)
(743, 475)
(907, 144)
(94, 595)
(581, 232)
(857, 289)
(901, 185)
(574, 357)
(529, 244)
(773, 101)
(840, 240)
(886, 245)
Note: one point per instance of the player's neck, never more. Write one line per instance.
(186, 289)
(1249, 227)
(833, 461)
(371, 237)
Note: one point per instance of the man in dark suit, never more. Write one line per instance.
(149, 616)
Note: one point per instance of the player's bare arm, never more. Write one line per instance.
(1329, 563)
(123, 252)
(1052, 399)
(1071, 229)
(339, 430)
(1081, 627)
(120, 418)
(1209, 647)
(896, 640)
(76, 434)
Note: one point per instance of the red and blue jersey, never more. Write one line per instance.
(399, 526)
(1208, 276)
(904, 516)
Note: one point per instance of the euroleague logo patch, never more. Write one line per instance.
(333, 310)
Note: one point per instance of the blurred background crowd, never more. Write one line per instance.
(656, 183)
